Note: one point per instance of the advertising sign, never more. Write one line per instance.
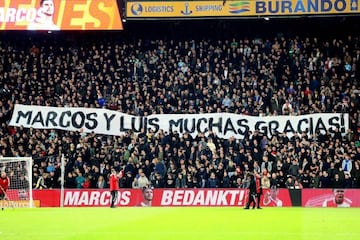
(199, 197)
(238, 8)
(59, 15)
(330, 198)
(160, 197)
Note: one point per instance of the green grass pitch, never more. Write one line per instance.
(204, 223)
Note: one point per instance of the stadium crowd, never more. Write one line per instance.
(273, 76)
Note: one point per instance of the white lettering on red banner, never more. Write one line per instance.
(189, 197)
(94, 198)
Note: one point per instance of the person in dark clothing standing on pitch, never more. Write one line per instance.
(252, 191)
(258, 189)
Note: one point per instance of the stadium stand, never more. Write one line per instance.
(190, 69)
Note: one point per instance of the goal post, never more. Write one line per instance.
(19, 172)
(62, 181)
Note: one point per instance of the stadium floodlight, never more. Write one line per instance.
(19, 171)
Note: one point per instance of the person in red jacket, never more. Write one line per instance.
(4, 185)
(114, 186)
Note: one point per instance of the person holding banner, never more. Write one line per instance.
(44, 20)
(4, 185)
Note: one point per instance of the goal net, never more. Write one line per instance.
(19, 172)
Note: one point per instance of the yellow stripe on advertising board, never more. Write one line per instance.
(231, 8)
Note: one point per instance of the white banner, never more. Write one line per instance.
(225, 125)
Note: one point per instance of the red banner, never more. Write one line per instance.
(160, 197)
(199, 197)
(330, 198)
(59, 15)
(47, 198)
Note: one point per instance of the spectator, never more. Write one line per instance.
(226, 101)
(170, 181)
(266, 165)
(314, 180)
(180, 181)
(337, 182)
(297, 184)
(80, 180)
(87, 183)
(141, 180)
(225, 180)
(40, 182)
(265, 182)
(157, 181)
(159, 167)
(355, 174)
(274, 181)
(213, 181)
(346, 164)
(235, 180)
(101, 183)
(305, 179)
(127, 180)
(294, 168)
(52, 181)
(325, 180)
(290, 183)
(347, 181)
(70, 181)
